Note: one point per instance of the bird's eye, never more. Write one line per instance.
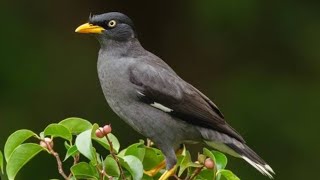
(112, 23)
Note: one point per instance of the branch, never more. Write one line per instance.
(115, 158)
(195, 173)
(59, 162)
(176, 177)
(75, 161)
(103, 173)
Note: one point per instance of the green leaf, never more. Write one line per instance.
(221, 159)
(205, 175)
(114, 141)
(15, 139)
(58, 130)
(111, 167)
(146, 177)
(20, 156)
(84, 170)
(227, 174)
(71, 152)
(133, 165)
(183, 161)
(103, 142)
(138, 150)
(1, 162)
(152, 157)
(186, 162)
(84, 144)
(76, 125)
(67, 145)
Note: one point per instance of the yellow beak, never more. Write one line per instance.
(89, 28)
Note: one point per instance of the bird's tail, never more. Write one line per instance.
(226, 144)
(253, 159)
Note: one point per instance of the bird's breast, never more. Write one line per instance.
(113, 77)
(115, 83)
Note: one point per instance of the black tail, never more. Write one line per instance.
(234, 147)
(253, 159)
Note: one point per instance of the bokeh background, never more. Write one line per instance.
(258, 60)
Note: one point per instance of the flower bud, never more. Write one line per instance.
(107, 129)
(208, 163)
(99, 132)
(201, 158)
(46, 142)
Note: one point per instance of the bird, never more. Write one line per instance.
(145, 92)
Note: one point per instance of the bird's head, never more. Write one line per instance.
(109, 26)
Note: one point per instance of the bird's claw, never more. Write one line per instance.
(152, 172)
(168, 173)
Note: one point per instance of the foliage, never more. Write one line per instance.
(133, 162)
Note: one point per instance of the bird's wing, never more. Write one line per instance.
(166, 91)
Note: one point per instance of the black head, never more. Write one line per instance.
(113, 25)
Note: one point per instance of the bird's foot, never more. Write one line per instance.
(168, 173)
(152, 172)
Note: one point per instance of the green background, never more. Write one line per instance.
(258, 60)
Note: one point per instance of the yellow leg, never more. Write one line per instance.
(162, 165)
(168, 173)
(155, 170)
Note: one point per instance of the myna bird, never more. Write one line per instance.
(148, 95)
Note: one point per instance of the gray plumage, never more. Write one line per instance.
(148, 95)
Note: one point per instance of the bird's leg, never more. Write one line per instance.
(152, 172)
(161, 165)
(168, 173)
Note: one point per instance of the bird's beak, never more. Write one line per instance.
(89, 28)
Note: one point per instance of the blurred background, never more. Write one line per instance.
(259, 61)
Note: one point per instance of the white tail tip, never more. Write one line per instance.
(264, 169)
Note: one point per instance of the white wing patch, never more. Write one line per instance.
(140, 93)
(161, 107)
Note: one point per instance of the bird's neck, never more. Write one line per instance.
(129, 48)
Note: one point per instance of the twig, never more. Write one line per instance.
(115, 158)
(75, 161)
(103, 173)
(175, 176)
(59, 162)
(195, 173)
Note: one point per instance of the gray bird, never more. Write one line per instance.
(148, 95)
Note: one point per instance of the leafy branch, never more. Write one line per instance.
(115, 158)
(129, 163)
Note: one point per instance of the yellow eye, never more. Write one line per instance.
(112, 23)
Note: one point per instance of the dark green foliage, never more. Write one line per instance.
(129, 163)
